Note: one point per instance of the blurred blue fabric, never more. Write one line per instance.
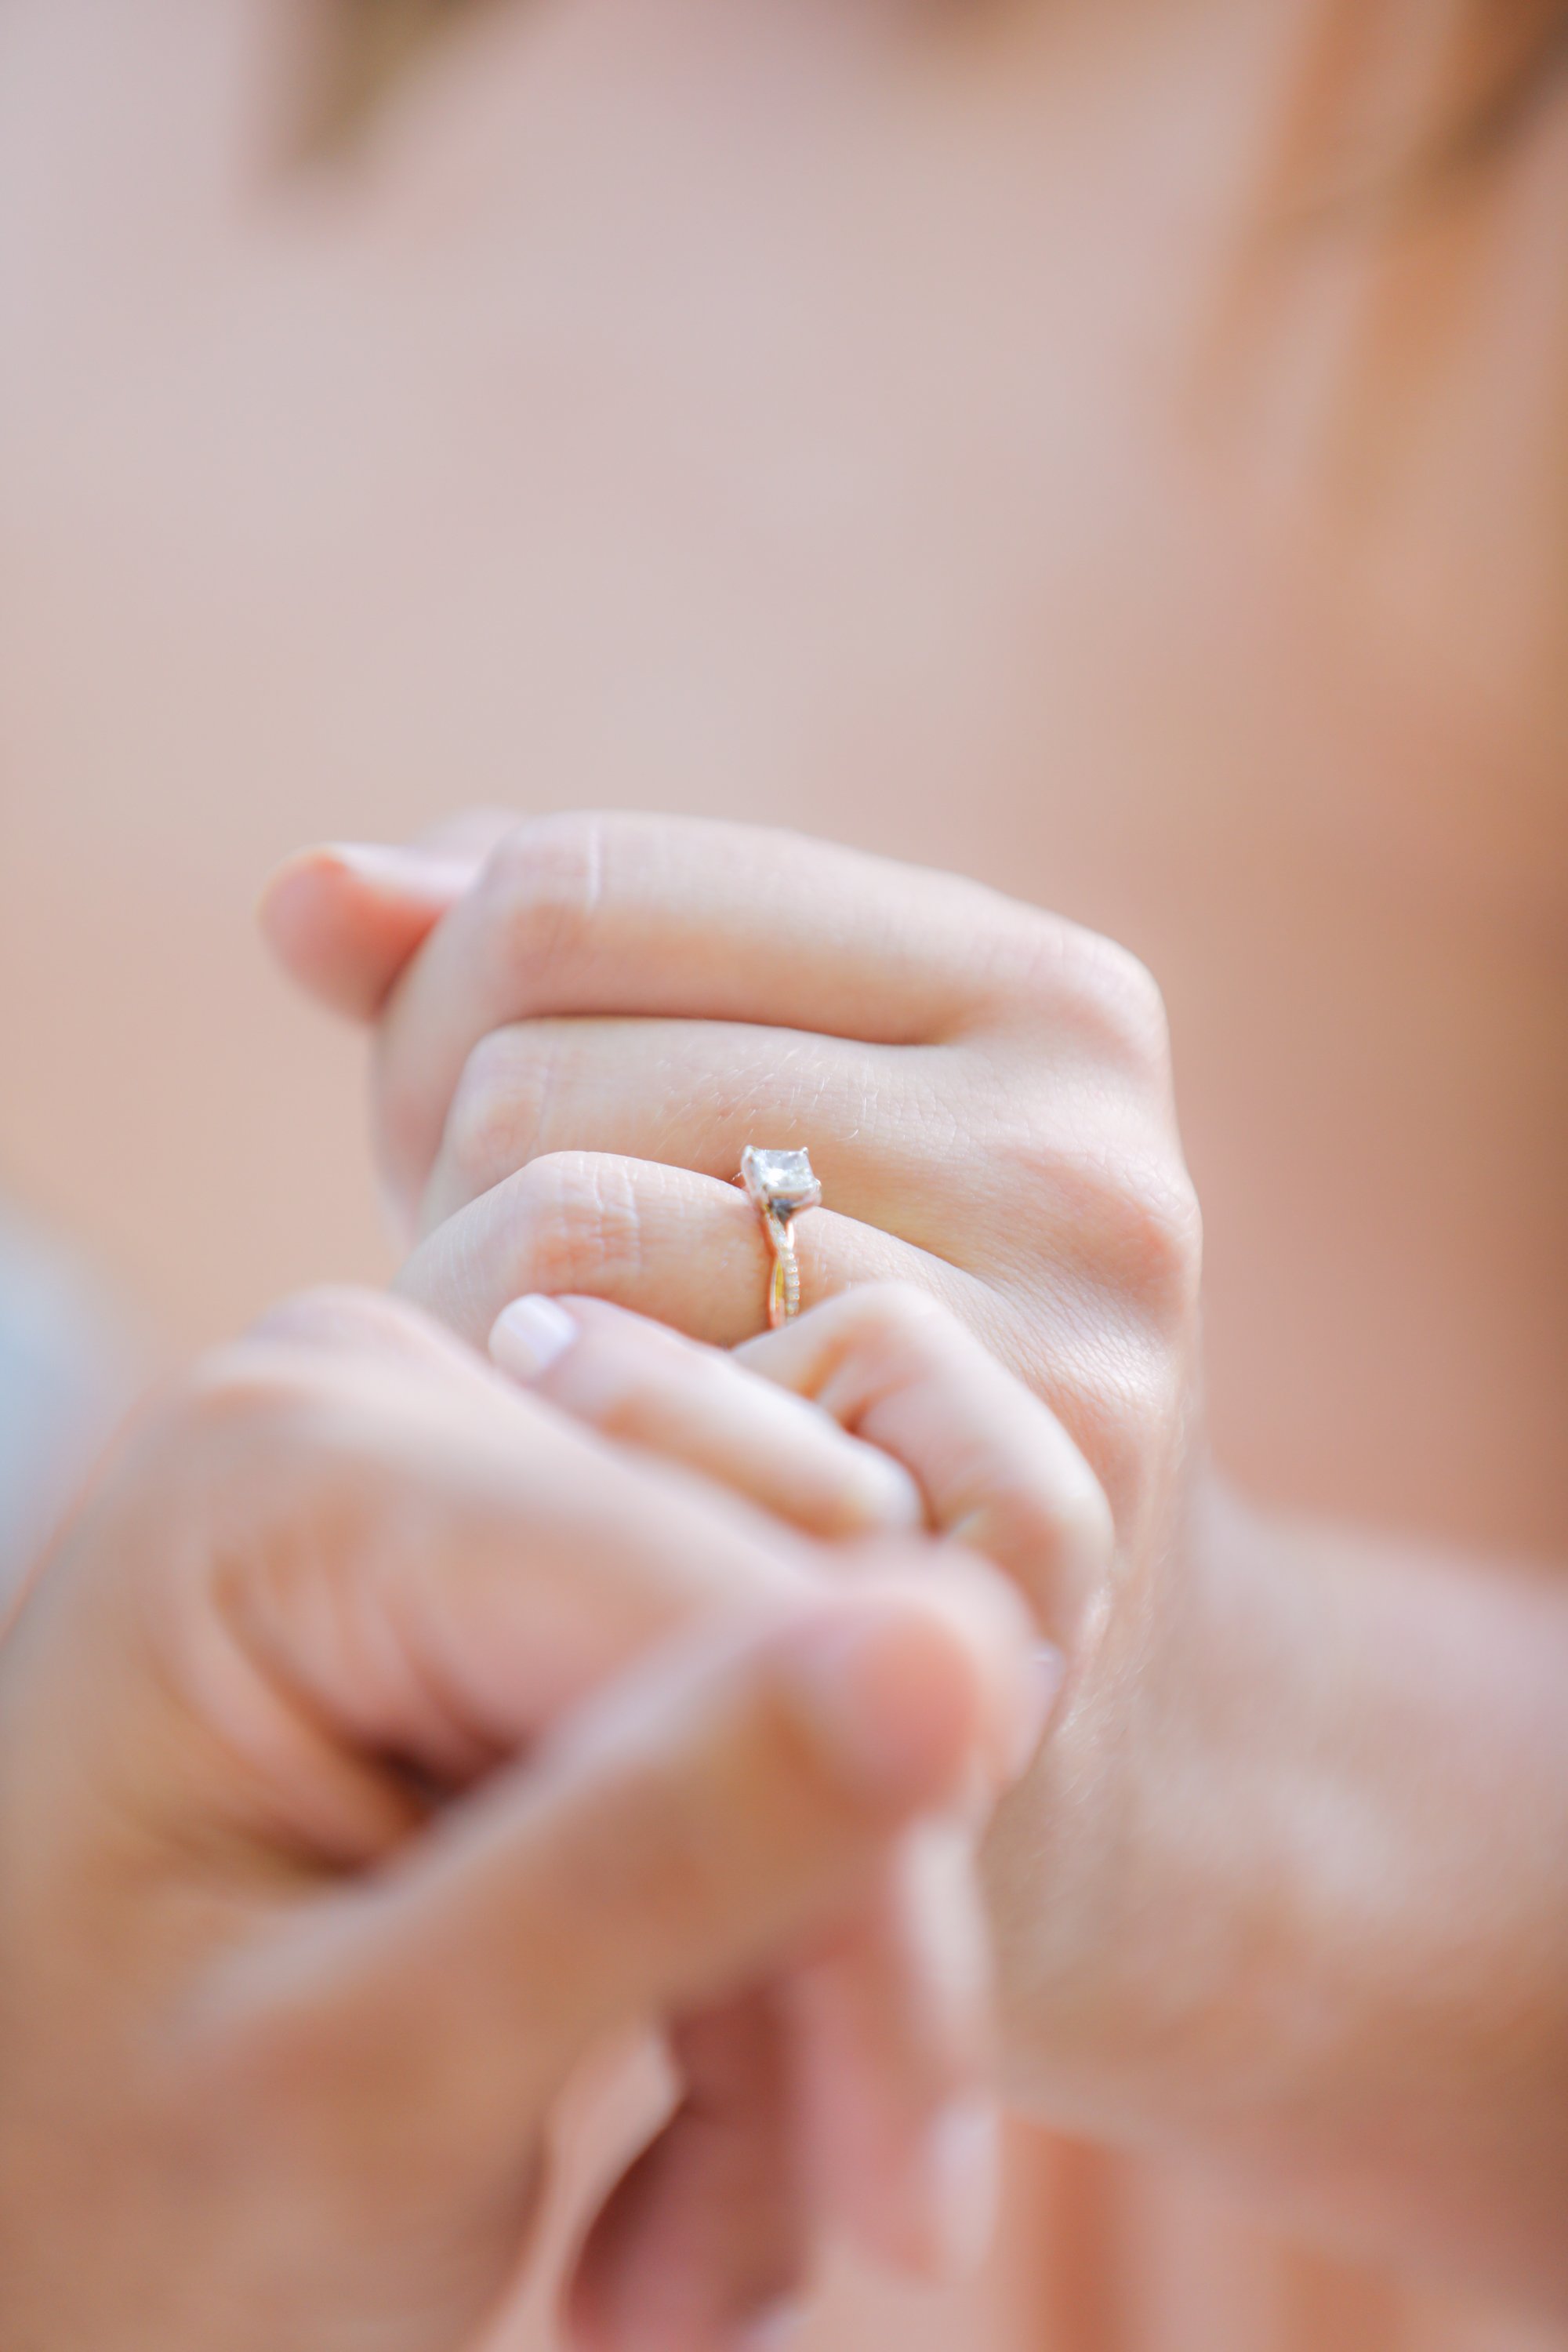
(67, 1369)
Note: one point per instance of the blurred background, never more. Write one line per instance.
(1116, 447)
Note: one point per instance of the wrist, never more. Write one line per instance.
(1132, 1876)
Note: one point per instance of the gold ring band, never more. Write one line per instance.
(779, 1185)
(784, 1283)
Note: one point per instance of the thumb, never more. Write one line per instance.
(686, 1833)
(344, 918)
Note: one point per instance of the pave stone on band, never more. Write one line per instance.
(779, 1185)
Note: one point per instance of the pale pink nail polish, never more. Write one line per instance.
(530, 1336)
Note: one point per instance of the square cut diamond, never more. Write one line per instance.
(780, 1181)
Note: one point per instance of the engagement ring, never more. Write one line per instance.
(779, 1185)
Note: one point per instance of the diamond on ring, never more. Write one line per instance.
(779, 1184)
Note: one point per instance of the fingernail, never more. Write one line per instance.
(959, 2170)
(1045, 1673)
(398, 865)
(528, 1336)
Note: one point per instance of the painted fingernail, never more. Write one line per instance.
(961, 2167)
(528, 1336)
(1045, 1673)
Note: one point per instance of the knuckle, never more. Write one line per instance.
(1122, 1398)
(318, 1373)
(253, 1381)
(398, 1135)
(617, 1395)
(1159, 1230)
(255, 1406)
(543, 884)
(894, 1315)
(1125, 985)
(883, 1335)
(1034, 1517)
(335, 1316)
(1115, 1001)
(1122, 996)
(584, 1222)
(497, 1111)
(1123, 1214)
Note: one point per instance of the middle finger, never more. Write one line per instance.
(693, 1094)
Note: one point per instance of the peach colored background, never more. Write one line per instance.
(169, 1104)
(322, 513)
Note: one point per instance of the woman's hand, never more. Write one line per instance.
(987, 1467)
(376, 1742)
(1282, 1894)
(582, 1025)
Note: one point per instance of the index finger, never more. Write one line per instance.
(688, 920)
(655, 1389)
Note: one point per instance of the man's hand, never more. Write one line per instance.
(376, 1743)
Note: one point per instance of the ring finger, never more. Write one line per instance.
(682, 1248)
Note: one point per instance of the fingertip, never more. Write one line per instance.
(344, 918)
(967, 1663)
(1055, 1533)
(878, 1497)
(530, 1335)
(891, 1696)
(288, 905)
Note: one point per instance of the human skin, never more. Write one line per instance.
(1171, 563)
(375, 1745)
(999, 435)
(1281, 1893)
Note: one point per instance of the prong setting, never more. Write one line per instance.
(779, 1183)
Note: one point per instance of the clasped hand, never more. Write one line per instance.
(378, 1741)
(384, 1736)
